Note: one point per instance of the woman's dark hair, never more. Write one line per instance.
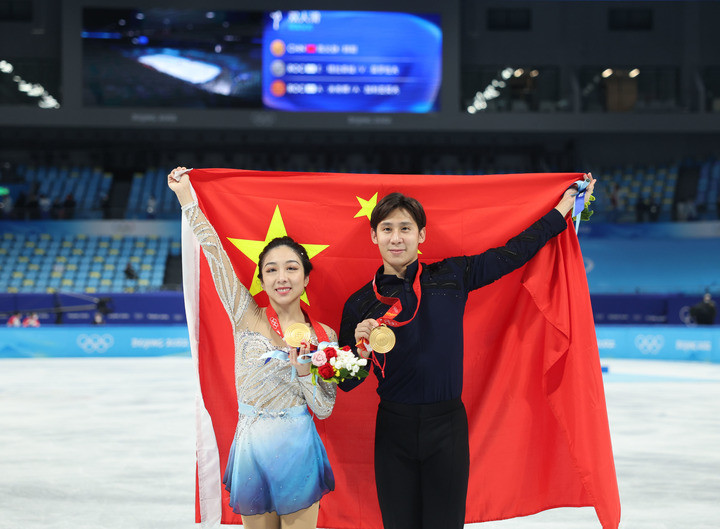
(393, 201)
(294, 246)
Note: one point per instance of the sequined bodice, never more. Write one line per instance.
(265, 384)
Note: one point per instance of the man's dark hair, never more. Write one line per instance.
(393, 201)
(294, 246)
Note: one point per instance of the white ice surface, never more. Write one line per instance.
(109, 444)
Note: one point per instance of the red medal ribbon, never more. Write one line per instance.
(275, 324)
(389, 317)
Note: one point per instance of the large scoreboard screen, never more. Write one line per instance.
(351, 61)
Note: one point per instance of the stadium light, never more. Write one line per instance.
(30, 89)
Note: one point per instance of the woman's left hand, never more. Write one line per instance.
(179, 182)
(302, 369)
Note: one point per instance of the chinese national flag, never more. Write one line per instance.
(533, 387)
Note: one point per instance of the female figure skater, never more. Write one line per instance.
(278, 469)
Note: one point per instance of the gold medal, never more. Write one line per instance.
(296, 334)
(382, 339)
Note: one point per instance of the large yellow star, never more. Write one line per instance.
(366, 206)
(252, 249)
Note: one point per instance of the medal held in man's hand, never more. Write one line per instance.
(296, 334)
(382, 339)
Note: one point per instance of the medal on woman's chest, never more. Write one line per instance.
(297, 334)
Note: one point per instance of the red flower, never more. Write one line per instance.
(330, 353)
(326, 371)
(346, 348)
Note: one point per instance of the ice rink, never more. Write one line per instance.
(109, 444)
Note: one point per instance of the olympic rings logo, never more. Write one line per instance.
(95, 343)
(649, 343)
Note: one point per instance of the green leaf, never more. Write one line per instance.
(586, 213)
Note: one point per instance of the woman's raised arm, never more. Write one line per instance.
(236, 299)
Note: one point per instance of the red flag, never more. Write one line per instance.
(533, 387)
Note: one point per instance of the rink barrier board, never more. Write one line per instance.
(700, 343)
(94, 341)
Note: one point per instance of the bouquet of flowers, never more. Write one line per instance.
(335, 364)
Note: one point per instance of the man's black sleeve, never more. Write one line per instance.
(494, 263)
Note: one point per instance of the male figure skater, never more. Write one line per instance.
(421, 440)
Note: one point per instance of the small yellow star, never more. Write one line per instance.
(366, 206)
(251, 249)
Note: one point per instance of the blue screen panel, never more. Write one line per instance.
(351, 61)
